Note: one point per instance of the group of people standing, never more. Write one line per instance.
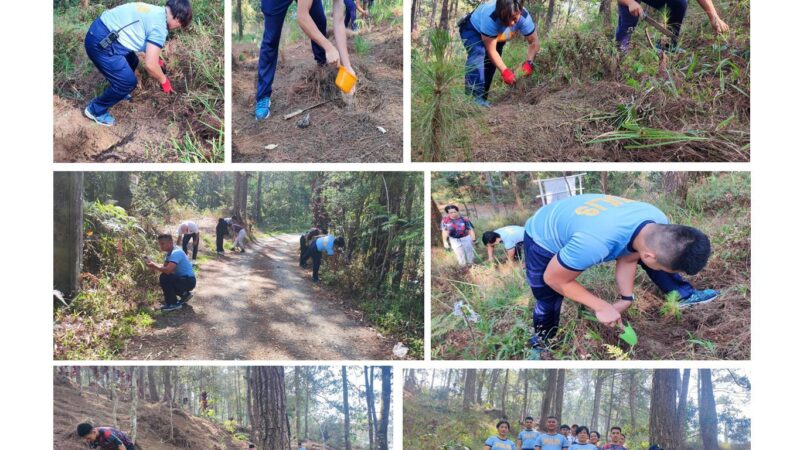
(554, 437)
(565, 238)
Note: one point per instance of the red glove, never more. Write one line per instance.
(166, 86)
(163, 65)
(527, 68)
(508, 76)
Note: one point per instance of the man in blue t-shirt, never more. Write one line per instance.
(114, 39)
(526, 440)
(510, 236)
(567, 237)
(484, 33)
(177, 276)
(316, 248)
(551, 439)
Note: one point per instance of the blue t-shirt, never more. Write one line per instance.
(579, 446)
(589, 229)
(528, 438)
(511, 235)
(487, 23)
(495, 443)
(551, 442)
(325, 243)
(183, 265)
(151, 26)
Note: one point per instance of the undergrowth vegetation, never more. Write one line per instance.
(716, 203)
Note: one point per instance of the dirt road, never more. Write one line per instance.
(337, 133)
(260, 305)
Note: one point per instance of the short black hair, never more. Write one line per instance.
(616, 428)
(503, 421)
(681, 248)
(552, 417)
(595, 433)
(582, 428)
(507, 8)
(164, 237)
(181, 10)
(449, 207)
(529, 418)
(563, 425)
(339, 241)
(622, 434)
(84, 429)
(574, 425)
(489, 237)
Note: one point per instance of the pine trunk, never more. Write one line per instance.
(68, 236)
(663, 409)
(346, 409)
(134, 401)
(270, 422)
(708, 411)
(386, 398)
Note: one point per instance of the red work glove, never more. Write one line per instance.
(527, 68)
(166, 86)
(508, 76)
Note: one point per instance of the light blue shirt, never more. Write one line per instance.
(589, 229)
(511, 235)
(551, 442)
(325, 243)
(579, 446)
(528, 438)
(183, 265)
(495, 443)
(151, 26)
(488, 24)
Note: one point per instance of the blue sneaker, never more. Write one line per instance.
(172, 307)
(262, 108)
(535, 354)
(698, 298)
(103, 119)
(481, 102)
(129, 97)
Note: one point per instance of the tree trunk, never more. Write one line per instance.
(433, 13)
(682, 406)
(151, 383)
(605, 13)
(413, 15)
(259, 218)
(165, 371)
(490, 186)
(663, 409)
(370, 399)
(632, 397)
(305, 409)
(239, 18)
(444, 19)
(495, 375)
(270, 422)
(524, 409)
(436, 220)
(479, 388)
(240, 198)
(548, 399)
(140, 390)
(598, 395)
(559, 400)
(550, 9)
(386, 398)
(676, 185)
(134, 401)
(346, 410)
(518, 198)
(122, 190)
(68, 235)
(469, 388)
(297, 400)
(503, 396)
(610, 403)
(708, 411)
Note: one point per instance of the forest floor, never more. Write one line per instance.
(338, 132)
(503, 300)
(71, 407)
(260, 305)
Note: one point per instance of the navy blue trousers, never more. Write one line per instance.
(547, 312)
(195, 238)
(116, 63)
(316, 257)
(627, 22)
(274, 15)
(172, 285)
(479, 69)
(350, 14)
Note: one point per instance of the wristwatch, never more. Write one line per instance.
(627, 298)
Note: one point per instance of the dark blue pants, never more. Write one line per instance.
(627, 22)
(547, 312)
(479, 69)
(316, 257)
(116, 63)
(350, 14)
(173, 286)
(195, 238)
(274, 15)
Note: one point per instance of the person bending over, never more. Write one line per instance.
(189, 231)
(316, 248)
(177, 278)
(105, 438)
(510, 236)
(139, 28)
(565, 238)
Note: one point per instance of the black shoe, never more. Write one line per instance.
(172, 307)
(315, 280)
(185, 297)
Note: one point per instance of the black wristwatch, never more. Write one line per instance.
(627, 298)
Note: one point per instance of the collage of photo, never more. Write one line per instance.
(388, 224)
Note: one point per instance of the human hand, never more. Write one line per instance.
(719, 25)
(527, 68)
(508, 76)
(332, 55)
(635, 9)
(608, 316)
(166, 86)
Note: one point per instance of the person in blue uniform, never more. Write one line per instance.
(501, 440)
(510, 237)
(581, 441)
(484, 33)
(141, 28)
(177, 277)
(631, 10)
(316, 248)
(551, 439)
(311, 19)
(565, 238)
(526, 439)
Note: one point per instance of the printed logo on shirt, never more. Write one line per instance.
(142, 8)
(596, 206)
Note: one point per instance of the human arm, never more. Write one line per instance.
(719, 25)
(633, 7)
(308, 26)
(445, 236)
(624, 275)
(564, 281)
(491, 49)
(167, 268)
(361, 8)
(533, 45)
(151, 64)
(340, 33)
(510, 253)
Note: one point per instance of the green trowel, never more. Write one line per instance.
(629, 335)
